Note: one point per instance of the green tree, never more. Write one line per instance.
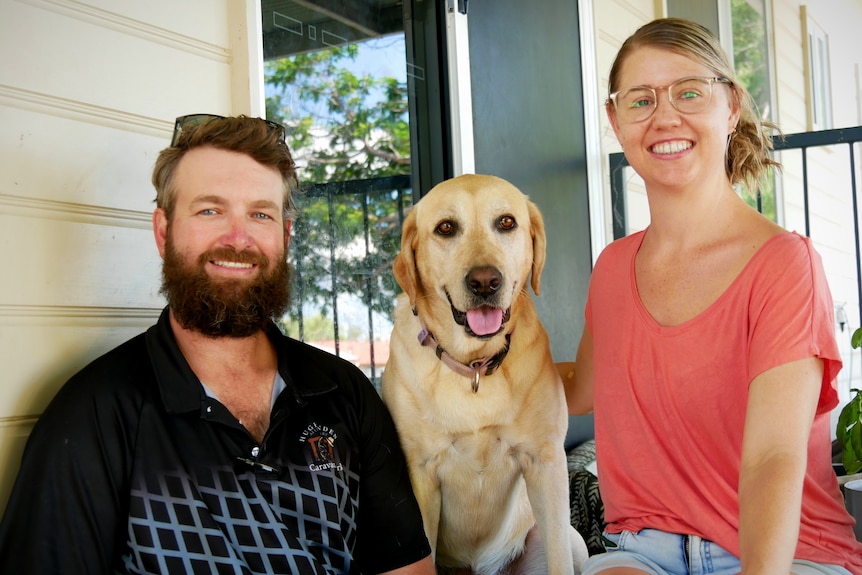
(342, 127)
(315, 328)
(752, 70)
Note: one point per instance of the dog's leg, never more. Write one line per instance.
(427, 491)
(547, 489)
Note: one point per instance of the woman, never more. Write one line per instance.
(708, 354)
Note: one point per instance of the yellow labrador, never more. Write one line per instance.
(471, 383)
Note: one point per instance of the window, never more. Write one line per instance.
(817, 74)
(336, 77)
(753, 64)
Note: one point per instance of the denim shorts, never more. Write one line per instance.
(660, 553)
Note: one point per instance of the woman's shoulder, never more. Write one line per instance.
(626, 245)
(786, 246)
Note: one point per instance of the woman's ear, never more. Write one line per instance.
(612, 118)
(735, 111)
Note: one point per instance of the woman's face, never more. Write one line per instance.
(670, 148)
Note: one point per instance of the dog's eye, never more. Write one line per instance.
(445, 228)
(507, 223)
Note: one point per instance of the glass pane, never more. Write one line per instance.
(751, 60)
(337, 79)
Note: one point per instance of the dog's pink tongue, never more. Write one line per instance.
(485, 320)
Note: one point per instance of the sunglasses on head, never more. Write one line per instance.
(192, 120)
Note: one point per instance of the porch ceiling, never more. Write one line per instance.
(296, 26)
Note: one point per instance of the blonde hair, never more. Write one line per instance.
(748, 149)
(263, 141)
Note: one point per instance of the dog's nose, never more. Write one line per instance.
(484, 280)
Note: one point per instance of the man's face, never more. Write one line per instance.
(224, 250)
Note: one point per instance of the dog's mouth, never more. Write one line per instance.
(483, 322)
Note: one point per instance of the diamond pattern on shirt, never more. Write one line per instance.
(240, 522)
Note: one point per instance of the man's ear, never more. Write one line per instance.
(160, 229)
(288, 224)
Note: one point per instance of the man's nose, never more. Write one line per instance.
(237, 234)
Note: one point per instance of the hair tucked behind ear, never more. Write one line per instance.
(749, 146)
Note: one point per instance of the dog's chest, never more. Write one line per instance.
(486, 451)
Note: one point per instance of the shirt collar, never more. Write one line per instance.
(181, 390)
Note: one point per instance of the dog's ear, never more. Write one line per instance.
(537, 231)
(404, 266)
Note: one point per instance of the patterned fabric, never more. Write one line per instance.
(133, 468)
(587, 511)
(231, 523)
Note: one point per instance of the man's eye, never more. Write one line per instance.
(445, 228)
(208, 212)
(262, 216)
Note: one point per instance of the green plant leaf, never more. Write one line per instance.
(856, 338)
(848, 432)
(842, 425)
(852, 462)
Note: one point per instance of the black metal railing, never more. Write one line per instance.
(345, 238)
(803, 142)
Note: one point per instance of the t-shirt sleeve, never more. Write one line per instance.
(65, 513)
(791, 314)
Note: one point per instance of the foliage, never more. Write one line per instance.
(849, 428)
(341, 127)
(315, 328)
(752, 71)
(749, 53)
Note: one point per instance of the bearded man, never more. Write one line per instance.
(212, 443)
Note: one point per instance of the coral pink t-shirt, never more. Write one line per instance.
(670, 401)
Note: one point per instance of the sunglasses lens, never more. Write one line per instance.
(192, 120)
(185, 122)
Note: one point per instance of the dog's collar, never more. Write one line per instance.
(476, 368)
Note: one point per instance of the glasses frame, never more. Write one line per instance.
(192, 120)
(710, 80)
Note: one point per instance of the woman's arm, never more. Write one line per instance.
(578, 377)
(781, 406)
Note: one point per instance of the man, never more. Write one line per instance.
(212, 443)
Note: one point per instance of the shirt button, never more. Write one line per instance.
(255, 451)
(209, 409)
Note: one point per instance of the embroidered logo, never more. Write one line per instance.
(321, 447)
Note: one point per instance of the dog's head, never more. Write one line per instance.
(468, 248)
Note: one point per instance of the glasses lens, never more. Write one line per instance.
(636, 104)
(185, 122)
(192, 120)
(691, 95)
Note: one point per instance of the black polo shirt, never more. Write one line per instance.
(133, 468)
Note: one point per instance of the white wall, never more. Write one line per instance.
(88, 94)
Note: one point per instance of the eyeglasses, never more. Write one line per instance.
(192, 120)
(688, 96)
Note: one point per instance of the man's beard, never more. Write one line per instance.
(224, 308)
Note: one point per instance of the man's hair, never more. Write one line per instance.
(749, 145)
(263, 141)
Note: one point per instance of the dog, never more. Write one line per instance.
(471, 384)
